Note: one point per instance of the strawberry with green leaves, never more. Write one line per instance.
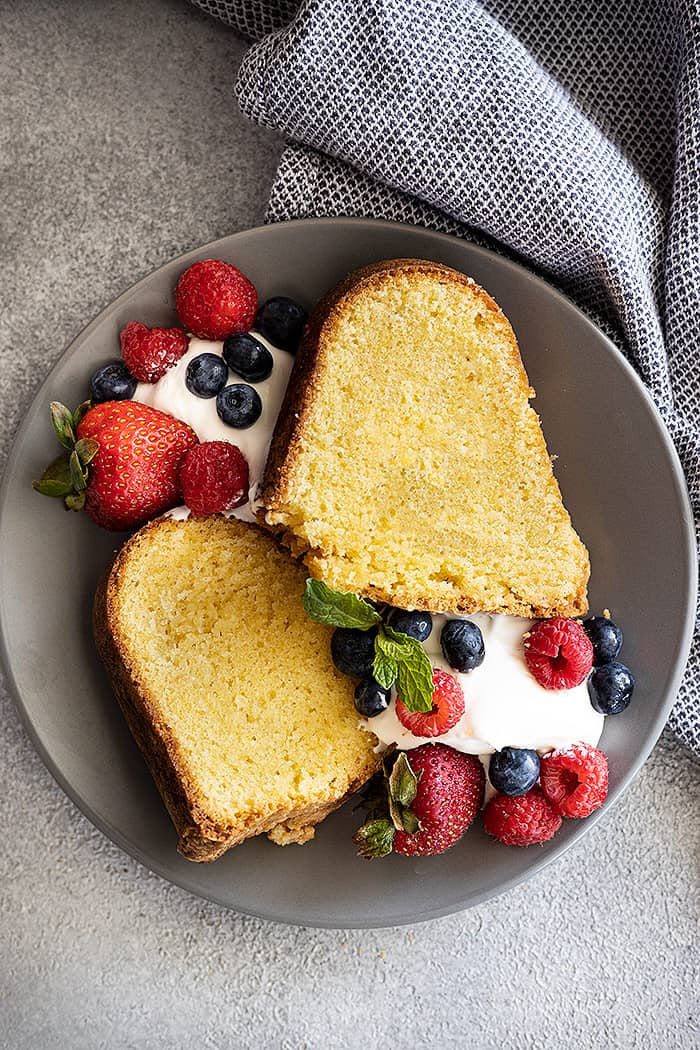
(122, 462)
(425, 802)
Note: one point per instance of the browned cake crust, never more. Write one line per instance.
(200, 837)
(287, 443)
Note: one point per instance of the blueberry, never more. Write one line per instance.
(206, 375)
(112, 382)
(414, 624)
(281, 320)
(238, 405)
(353, 651)
(370, 698)
(462, 645)
(610, 688)
(514, 770)
(247, 357)
(606, 637)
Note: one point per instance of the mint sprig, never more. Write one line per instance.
(398, 658)
(338, 610)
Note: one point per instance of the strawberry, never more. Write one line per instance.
(148, 353)
(122, 464)
(214, 299)
(427, 800)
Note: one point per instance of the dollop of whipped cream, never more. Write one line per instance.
(170, 394)
(504, 705)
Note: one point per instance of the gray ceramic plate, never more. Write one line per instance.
(621, 481)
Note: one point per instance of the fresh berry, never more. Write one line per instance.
(416, 625)
(449, 796)
(606, 638)
(370, 698)
(238, 405)
(247, 357)
(214, 299)
(514, 770)
(214, 478)
(134, 475)
(425, 802)
(112, 382)
(521, 820)
(558, 653)
(353, 651)
(610, 688)
(282, 321)
(575, 779)
(148, 353)
(206, 375)
(462, 645)
(447, 709)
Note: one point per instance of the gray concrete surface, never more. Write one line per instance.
(121, 148)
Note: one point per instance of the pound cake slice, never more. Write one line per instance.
(408, 465)
(226, 684)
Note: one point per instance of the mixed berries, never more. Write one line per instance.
(532, 792)
(130, 462)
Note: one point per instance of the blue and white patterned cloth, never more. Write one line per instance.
(589, 116)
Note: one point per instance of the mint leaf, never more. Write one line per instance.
(384, 669)
(327, 606)
(414, 672)
(414, 683)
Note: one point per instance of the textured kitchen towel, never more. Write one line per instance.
(565, 135)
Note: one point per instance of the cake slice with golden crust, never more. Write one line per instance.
(408, 465)
(226, 684)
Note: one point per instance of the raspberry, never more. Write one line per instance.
(575, 779)
(558, 653)
(149, 352)
(448, 708)
(521, 820)
(214, 299)
(214, 478)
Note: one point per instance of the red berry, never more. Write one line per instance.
(149, 352)
(558, 653)
(450, 794)
(521, 820)
(448, 708)
(575, 779)
(135, 475)
(214, 478)
(214, 299)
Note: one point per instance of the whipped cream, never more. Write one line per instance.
(170, 394)
(504, 705)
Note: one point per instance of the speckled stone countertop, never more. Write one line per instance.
(121, 148)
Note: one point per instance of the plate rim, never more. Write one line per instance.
(114, 834)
